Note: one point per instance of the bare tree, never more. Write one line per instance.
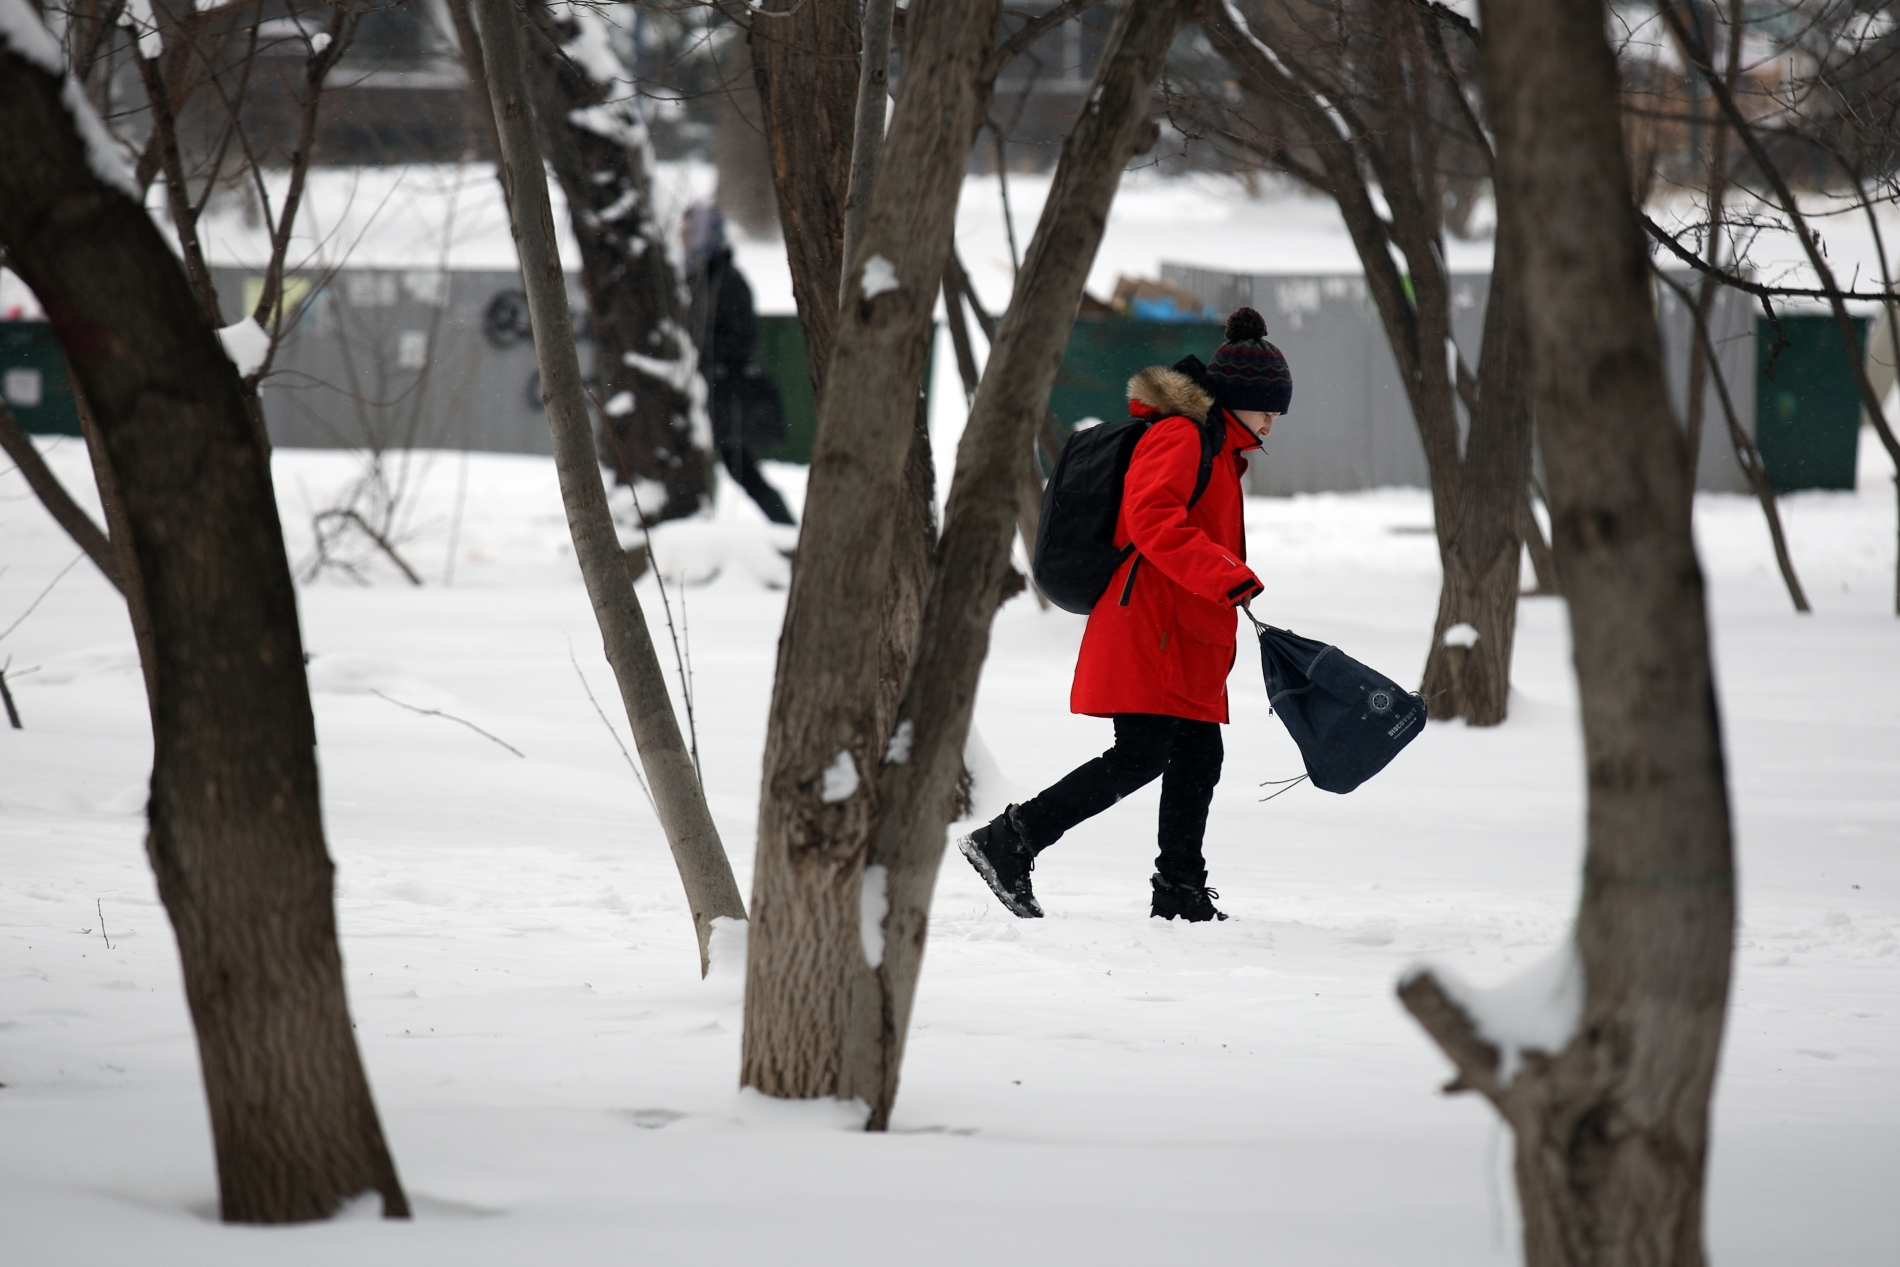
(235, 832)
(184, 58)
(711, 891)
(655, 426)
(1769, 169)
(1612, 1128)
(918, 774)
(822, 747)
(805, 61)
(1360, 99)
(796, 51)
(854, 810)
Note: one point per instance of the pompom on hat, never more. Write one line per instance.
(1248, 372)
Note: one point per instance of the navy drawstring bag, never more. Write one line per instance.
(1348, 721)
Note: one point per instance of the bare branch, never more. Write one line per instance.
(1026, 35)
(436, 712)
(382, 542)
(269, 307)
(86, 534)
(1674, 246)
(1477, 1061)
(601, 713)
(17, 620)
(177, 196)
(1698, 56)
(1747, 456)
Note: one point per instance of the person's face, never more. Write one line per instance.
(1256, 421)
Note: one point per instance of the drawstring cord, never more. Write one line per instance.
(1290, 785)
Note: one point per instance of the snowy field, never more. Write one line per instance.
(558, 1085)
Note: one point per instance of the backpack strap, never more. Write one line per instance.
(1213, 427)
(1210, 447)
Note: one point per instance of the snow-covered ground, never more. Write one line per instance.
(558, 1085)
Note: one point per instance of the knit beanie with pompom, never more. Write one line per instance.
(1248, 372)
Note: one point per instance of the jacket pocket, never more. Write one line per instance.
(1206, 621)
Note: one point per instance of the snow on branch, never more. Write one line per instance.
(1488, 1032)
(591, 47)
(22, 31)
(681, 373)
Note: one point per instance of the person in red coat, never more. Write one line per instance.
(1160, 640)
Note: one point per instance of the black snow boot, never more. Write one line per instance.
(1001, 854)
(1177, 900)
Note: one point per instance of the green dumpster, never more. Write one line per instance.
(1807, 416)
(1092, 381)
(34, 381)
(781, 353)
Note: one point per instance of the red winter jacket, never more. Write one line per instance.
(1161, 638)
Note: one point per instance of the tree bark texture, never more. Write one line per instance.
(711, 891)
(822, 748)
(1612, 1131)
(66, 512)
(119, 535)
(594, 139)
(916, 526)
(917, 780)
(868, 131)
(1480, 585)
(913, 545)
(236, 834)
(805, 61)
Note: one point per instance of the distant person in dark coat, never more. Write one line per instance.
(1160, 640)
(725, 326)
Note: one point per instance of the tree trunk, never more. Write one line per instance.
(822, 744)
(236, 834)
(655, 427)
(913, 543)
(1029, 494)
(745, 161)
(480, 104)
(1465, 678)
(917, 779)
(805, 62)
(53, 496)
(1543, 559)
(711, 891)
(1612, 1131)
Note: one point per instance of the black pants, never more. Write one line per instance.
(1187, 757)
(745, 469)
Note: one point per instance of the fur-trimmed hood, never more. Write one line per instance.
(1170, 391)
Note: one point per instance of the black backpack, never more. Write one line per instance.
(1076, 556)
(1348, 720)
